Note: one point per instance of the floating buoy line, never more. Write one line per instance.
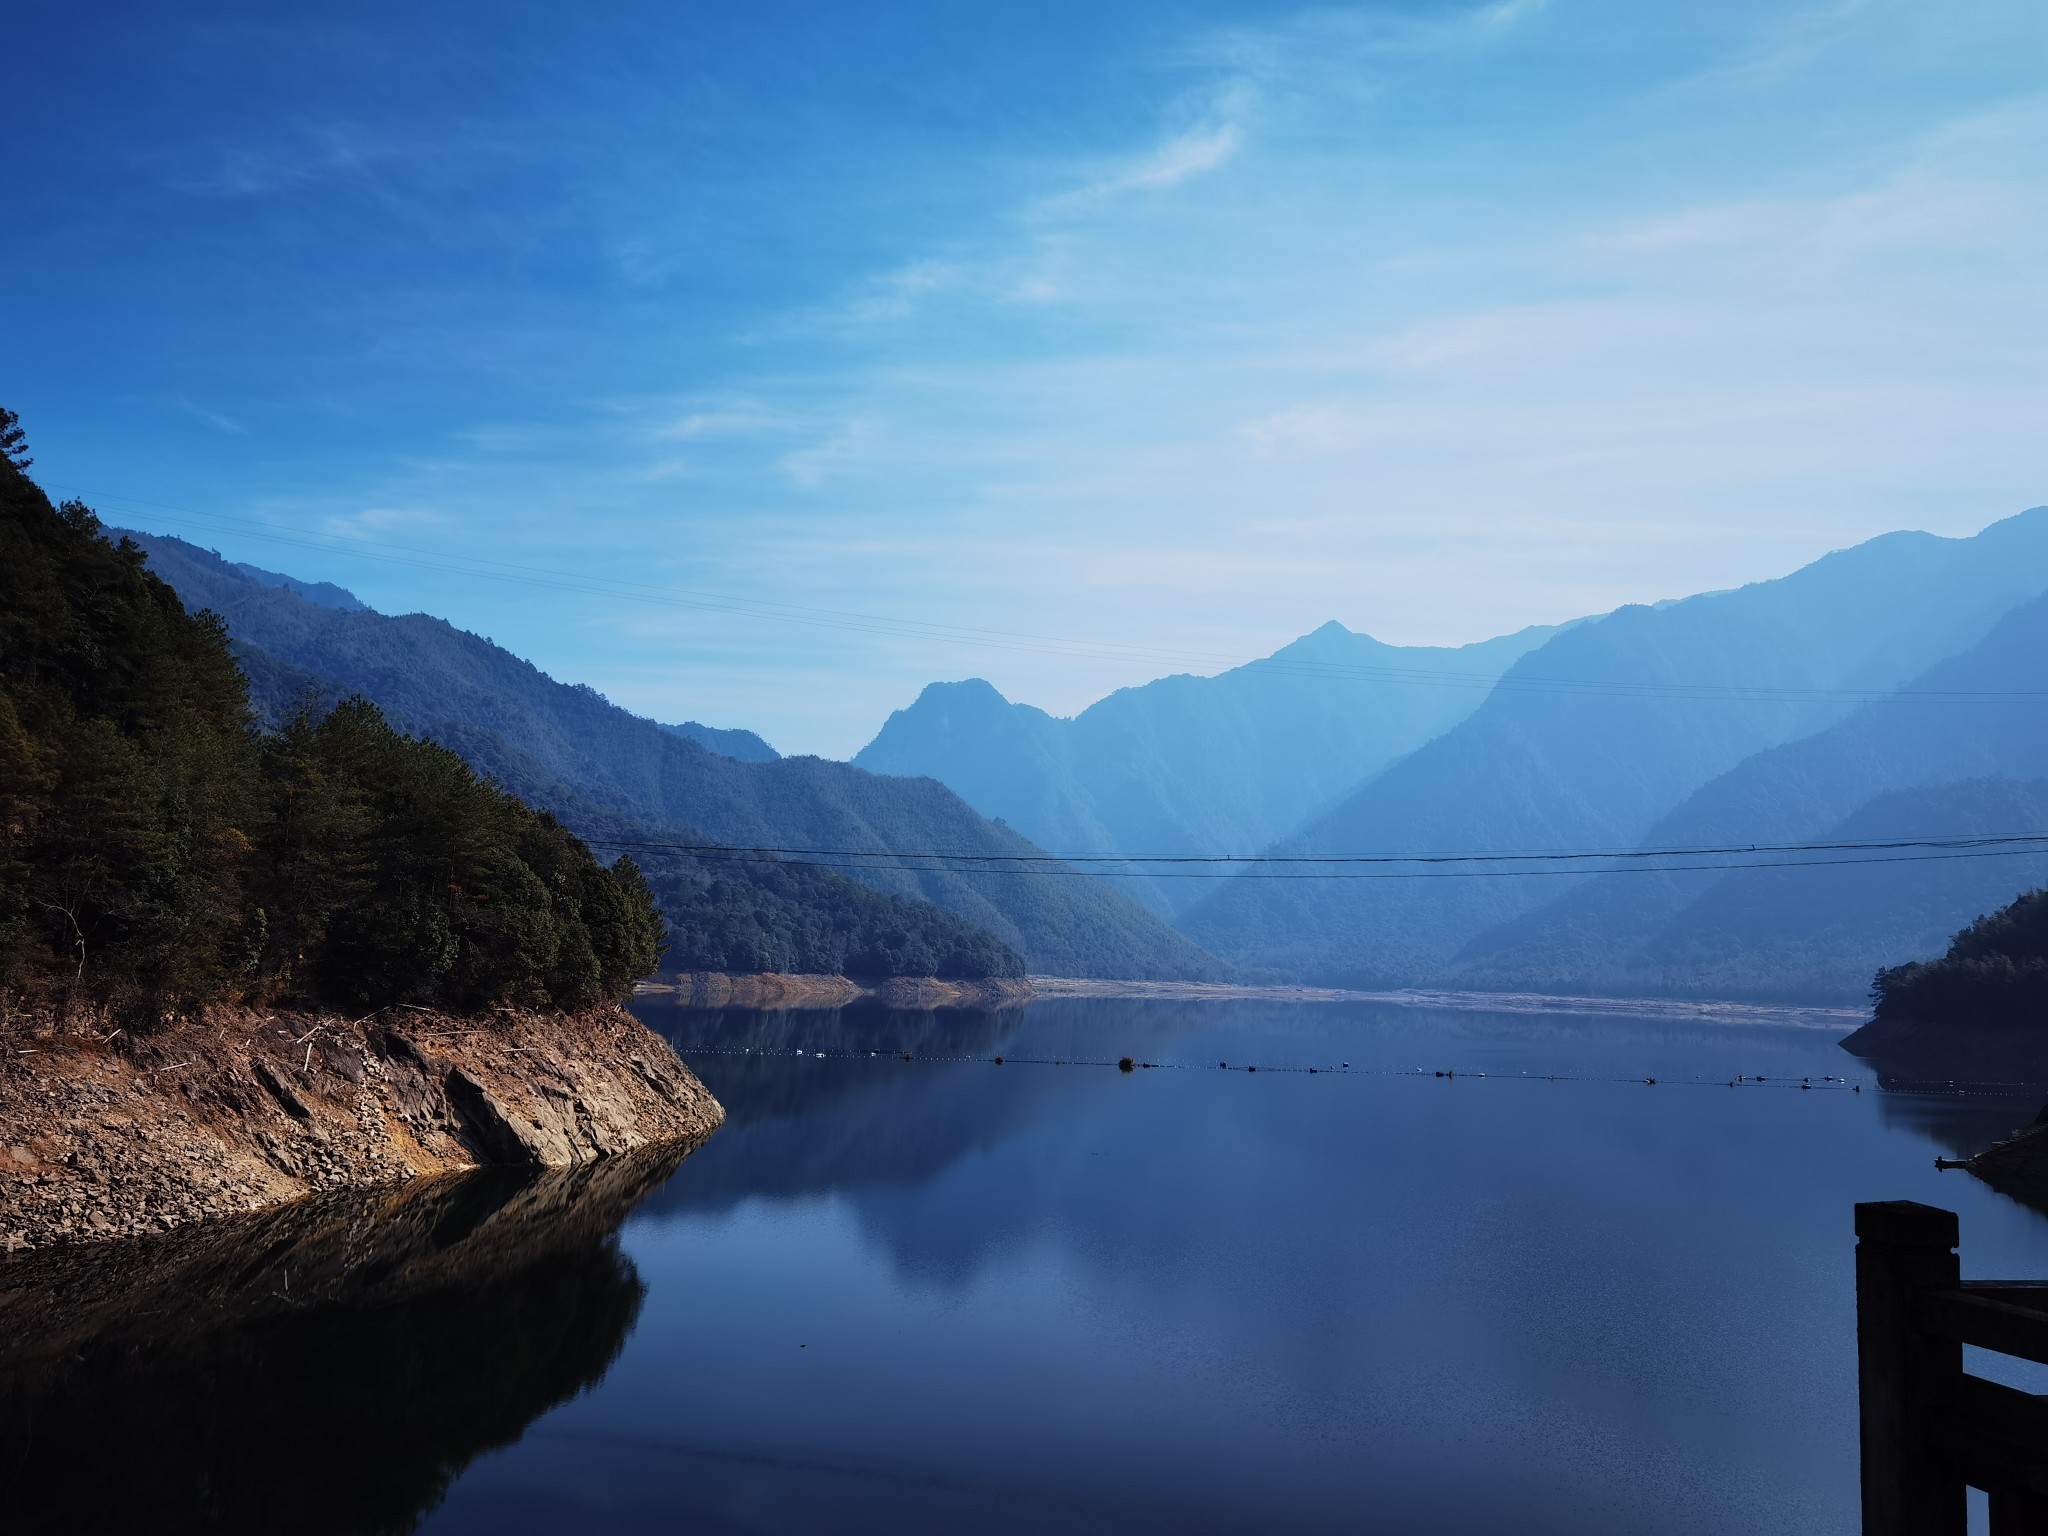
(1803, 1083)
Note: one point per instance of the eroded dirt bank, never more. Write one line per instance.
(106, 1136)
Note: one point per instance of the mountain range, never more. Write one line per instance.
(1588, 742)
(1961, 750)
(1194, 765)
(1883, 693)
(621, 780)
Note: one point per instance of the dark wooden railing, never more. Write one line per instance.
(1930, 1430)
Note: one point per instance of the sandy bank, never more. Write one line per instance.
(1705, 1010)
(238, 1111)
(716, 989)
(1192, 991)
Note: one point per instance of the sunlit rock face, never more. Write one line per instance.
(236, 1110)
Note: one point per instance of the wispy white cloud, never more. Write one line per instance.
(1788, 44)
(1436, 321)
(510, 438)
(730, 419)
(372, 521)
(1505, 14)
(811, 467)
(1960, 189)
(1178, 159)
(292, 155)
(212, 418)
(894, 294)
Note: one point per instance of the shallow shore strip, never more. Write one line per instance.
(109, 1135)
(1706, 1010)
(773, 990)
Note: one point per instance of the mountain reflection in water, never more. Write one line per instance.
(1583, 1286)
(329, 1367)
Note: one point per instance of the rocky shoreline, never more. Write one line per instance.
(719, 989)
(105, 1135)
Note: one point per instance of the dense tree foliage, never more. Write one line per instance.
(394, 872)
(13, 442)
(1995, 972)
(801, 918)
(157, 851)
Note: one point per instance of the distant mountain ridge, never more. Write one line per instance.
(1819, 935)
(1590, 740)
(742, 746)
(1960, 750)
(1889, 691)
(1187, 764)
(325, 593)
(566, 747)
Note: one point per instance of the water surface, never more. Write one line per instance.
(947, 1295)
(942, 1294)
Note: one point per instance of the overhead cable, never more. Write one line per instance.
(1575, 864)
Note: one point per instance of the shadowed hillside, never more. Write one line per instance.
(1787, 935)
(602, 769)
(1961, 750)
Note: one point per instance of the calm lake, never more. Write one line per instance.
(947, 1295)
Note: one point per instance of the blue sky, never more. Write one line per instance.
(758, 364)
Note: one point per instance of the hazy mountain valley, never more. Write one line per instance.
(648, 787)
(1885, 692)
(1190, 765)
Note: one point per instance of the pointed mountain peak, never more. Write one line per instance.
(967, 692)
(1328, 639)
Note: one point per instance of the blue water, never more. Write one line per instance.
(946, 1295)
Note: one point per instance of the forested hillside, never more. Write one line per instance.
(1995, 974)
(1589, 741)
(752, 913)
(157, 853)
(568, 748)
(1224, 764)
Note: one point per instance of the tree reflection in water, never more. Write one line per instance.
(329, 1367)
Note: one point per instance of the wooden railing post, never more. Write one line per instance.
(1903, 1249)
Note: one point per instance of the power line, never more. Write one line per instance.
(384, 552)
(871, 860)
(1971, 840)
